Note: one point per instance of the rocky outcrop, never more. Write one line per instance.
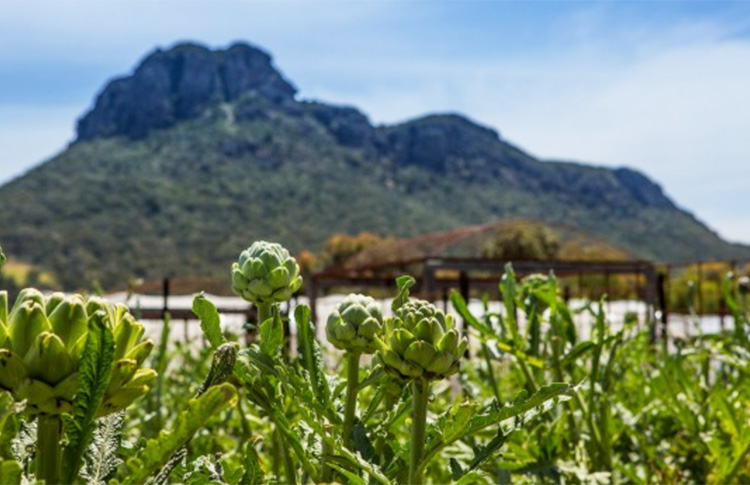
(643, 189)
(432, 141)
(179, 84)
(349, 126)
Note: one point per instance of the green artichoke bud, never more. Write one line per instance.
(43, 338)
(265, 273)
(421, 342)
(532, 283)
(354, 324)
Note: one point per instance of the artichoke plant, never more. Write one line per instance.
(421, 342)
(420, 345)
(265, 274)
(41, 343)
(354, 327)
(354, 324)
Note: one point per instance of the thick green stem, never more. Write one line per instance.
(264, 312)
(325, 467)
(48, 456)
(352, 383)
(491, 371)
(289, 472)
(420, 391)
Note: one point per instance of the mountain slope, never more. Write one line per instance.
(198, 153)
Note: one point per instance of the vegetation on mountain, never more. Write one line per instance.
(177, 164)
(525, 242)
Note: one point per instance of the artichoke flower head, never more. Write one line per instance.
(354, 324)
(421, 342)
(265, 273)
(533, 287)
(42, 339)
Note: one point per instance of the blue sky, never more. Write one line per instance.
(663, 87)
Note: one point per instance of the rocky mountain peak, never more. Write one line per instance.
(432, 141)
(177, 84)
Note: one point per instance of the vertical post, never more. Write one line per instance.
(662, 301)
(580, 284)
(607, 287)
(650, 296)
(312, 296)
(463, 285)
(428, 280)
(700, 288)
(165, 296)
(463, 288)
(722, 302)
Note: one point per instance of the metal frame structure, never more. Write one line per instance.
(436, 275)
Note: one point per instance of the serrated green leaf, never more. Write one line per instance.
(362, 443)
(222, 365)
(576, 352)
(456, 470)
(521, 411)
(95, 370)
(463, 310)
(254, 472)
(475, 478)
(158, 452)
(101, 457)
(456, 421)
(310, 354)
(498, 413)
(210, 321)
(9, 425)
(271, 334)
(486, 452)
(403, 283)
(353, 477)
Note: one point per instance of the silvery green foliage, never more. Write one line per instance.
(222, 366)
(24, 444)
(354, 324)
(421, 342)
(42, 340)
(265, 273)
(101, 456)
(162, 478)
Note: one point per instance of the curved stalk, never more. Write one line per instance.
(48, 454)
(291, 476)
(420, 391)
(350, 407)
(264, 312)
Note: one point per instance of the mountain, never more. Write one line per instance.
(199, 152)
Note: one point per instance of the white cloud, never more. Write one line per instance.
(668, 97)
(679, 114)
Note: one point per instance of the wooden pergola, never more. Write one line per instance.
(436, 276)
